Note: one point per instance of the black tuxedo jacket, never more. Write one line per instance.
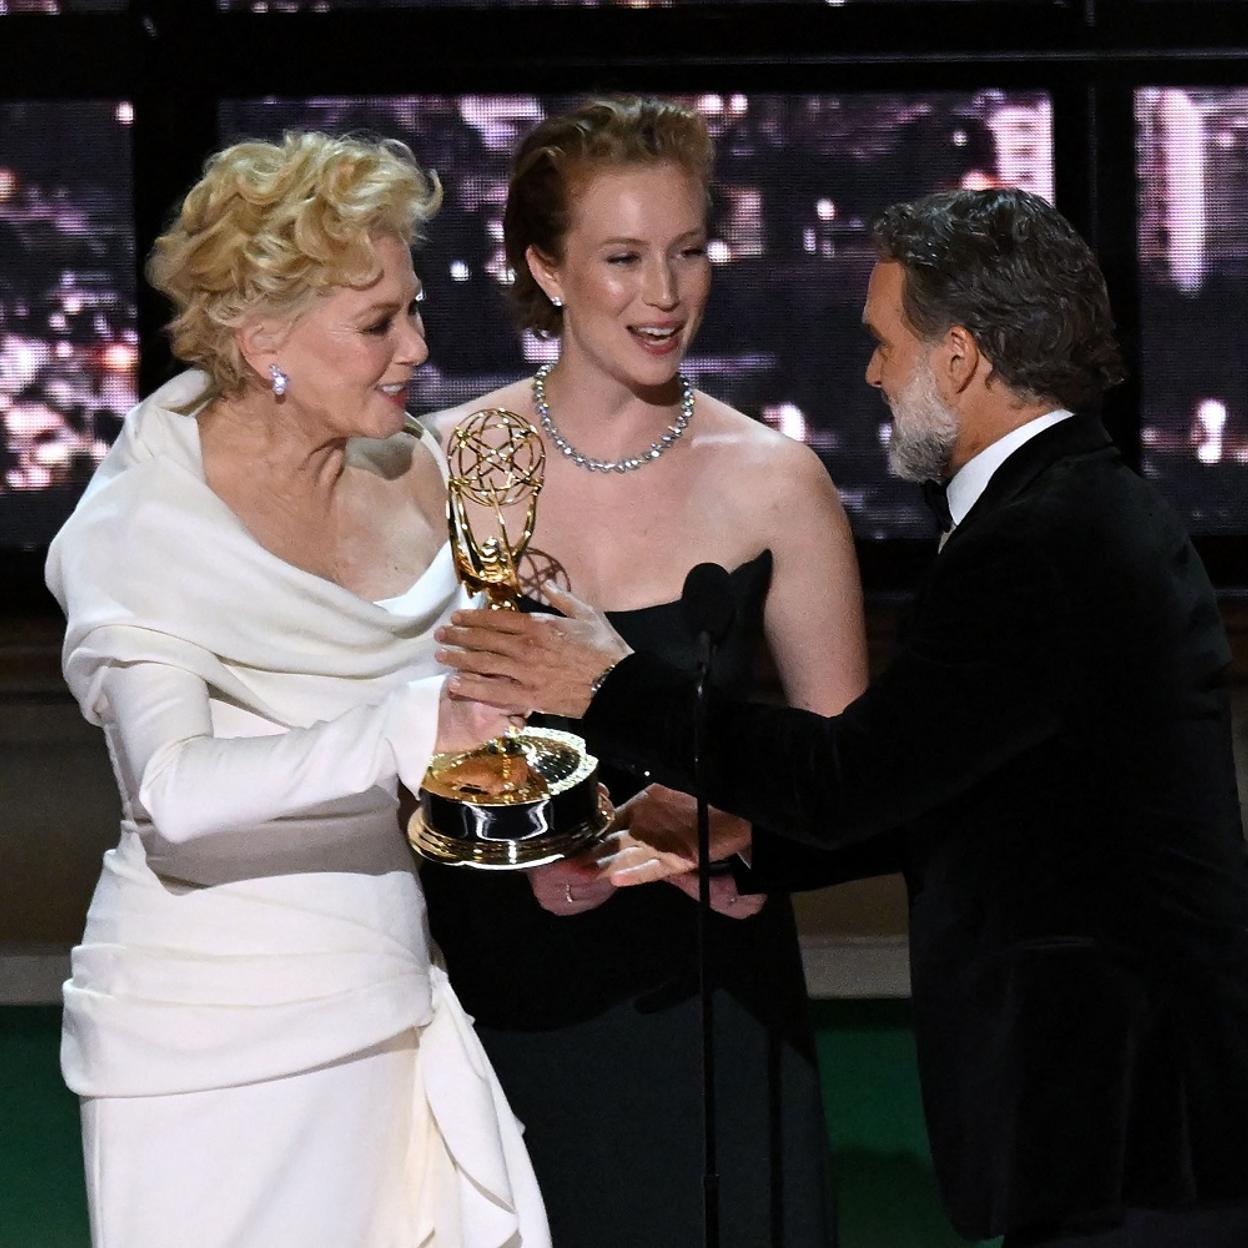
(1049, 761)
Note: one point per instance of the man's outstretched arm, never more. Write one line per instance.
(982, 680)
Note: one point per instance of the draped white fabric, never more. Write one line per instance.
(153, 566)
(295, 969)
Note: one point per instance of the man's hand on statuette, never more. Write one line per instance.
(524, 662)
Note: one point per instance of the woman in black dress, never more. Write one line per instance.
(585, 996)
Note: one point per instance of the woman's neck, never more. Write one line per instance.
(609, 414)
(252, 434)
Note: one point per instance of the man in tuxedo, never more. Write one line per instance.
(1048, 759)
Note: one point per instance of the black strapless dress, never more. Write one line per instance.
(592, 1022)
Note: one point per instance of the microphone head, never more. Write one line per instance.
(707, 602)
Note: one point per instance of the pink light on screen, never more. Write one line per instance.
(1183, 188)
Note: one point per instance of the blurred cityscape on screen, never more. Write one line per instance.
(799, 179)
(52, 8)
(1192, 147)
(68, 346)
(335, 6)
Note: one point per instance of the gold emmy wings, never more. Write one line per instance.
(497, 459)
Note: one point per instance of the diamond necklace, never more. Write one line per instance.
(632, 462)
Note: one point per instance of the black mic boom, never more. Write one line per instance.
(707, 602)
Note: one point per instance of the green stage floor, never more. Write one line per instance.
(884, 1180)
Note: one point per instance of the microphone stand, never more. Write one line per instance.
(708, 607)
(710, 1176)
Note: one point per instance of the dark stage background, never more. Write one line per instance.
(823, 114)
(1131, 114)
(800, 177)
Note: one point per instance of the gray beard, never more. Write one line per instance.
(924, 430)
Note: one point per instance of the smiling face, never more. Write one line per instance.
(925, 428)
(634, 276)
(350, 357)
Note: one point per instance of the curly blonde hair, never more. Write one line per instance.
(270, 227)
(560, 153)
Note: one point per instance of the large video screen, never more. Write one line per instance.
(1192, 147)
(68, 345)
(334, 6)
(52, 8)
(799, 180)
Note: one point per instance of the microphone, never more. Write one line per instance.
(707, 605)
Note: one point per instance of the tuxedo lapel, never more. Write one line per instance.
(1080, 435)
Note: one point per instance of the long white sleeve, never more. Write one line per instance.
(193, 784)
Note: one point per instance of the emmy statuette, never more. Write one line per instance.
(530, 796)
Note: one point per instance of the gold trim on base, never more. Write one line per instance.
(504, 855)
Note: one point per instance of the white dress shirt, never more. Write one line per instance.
(970, 481)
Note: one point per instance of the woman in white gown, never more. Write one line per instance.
(267, 1053)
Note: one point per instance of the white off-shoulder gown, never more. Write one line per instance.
(268, 1054)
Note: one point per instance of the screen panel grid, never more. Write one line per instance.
(68, 341)
(338, 6)
(799, 178)
(56, 8)
(1192, 153)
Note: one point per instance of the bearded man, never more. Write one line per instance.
(1048, 759)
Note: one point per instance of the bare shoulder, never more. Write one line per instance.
(514, 398)
(772, 469)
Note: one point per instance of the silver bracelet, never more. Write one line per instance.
(599, 680)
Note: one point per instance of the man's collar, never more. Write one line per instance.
(970, 481)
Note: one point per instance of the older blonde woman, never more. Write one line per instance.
(265, 1053)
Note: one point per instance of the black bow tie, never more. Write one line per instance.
(936, 496)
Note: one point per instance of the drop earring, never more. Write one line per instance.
(280, 381)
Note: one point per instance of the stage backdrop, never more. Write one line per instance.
(798, 181)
